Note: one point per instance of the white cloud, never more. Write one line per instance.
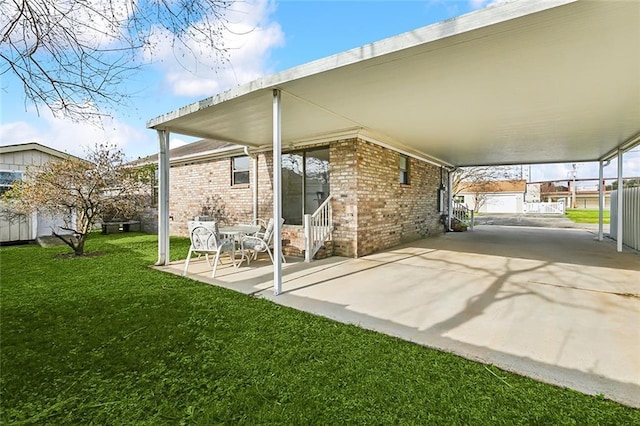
(93, 23)
(75, 138)
(249, 39)
(562, 171)
(176, 142)
(479, 4)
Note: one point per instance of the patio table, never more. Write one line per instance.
(236, 232)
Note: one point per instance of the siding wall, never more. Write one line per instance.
(630, 217)
(20, 160)
(22, 229)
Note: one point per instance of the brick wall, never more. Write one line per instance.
(149, 220)
(390, 213)
(344, 187)
(265, 185)
(204, 188)
(371, 209)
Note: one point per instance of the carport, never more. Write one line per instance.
(522, 82)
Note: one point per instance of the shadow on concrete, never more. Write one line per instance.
(571, 246)
(554, 305)
(562, 348)
(588, 382)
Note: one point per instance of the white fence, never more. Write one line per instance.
(630, 217)
(544, 208)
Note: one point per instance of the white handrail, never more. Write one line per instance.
(322, 206)
(463, 214)
(317, 228)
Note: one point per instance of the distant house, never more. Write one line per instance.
(494, 197)
(14, 161)
(586, 193)
(380, 197)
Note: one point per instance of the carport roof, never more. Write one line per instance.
(521, 82)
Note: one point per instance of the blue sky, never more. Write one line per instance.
(285, 33)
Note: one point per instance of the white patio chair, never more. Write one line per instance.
(261, 242)
(262, 223)
(205, 239)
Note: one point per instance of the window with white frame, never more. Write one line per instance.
(240, 170)
(7, 178)
(404, 169)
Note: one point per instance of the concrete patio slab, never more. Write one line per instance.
(552, 304)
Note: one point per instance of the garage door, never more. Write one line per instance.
(501, 204)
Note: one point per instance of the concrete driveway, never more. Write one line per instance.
(552, 304)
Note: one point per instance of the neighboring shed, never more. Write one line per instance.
(14, 161)
(495, 197)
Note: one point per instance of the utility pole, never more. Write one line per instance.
(574, 173)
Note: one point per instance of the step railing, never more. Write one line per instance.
(318, 228)
(463, 214)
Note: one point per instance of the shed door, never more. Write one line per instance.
(47, 224)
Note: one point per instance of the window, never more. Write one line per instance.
(404, 169)
(7, 179)
(305, 183)
(240, 170)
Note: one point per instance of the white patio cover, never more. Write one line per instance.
(522, 82)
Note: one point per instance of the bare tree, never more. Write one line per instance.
(83, 192)
(72, 55)
(481, 180)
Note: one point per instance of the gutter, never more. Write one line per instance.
(254, 187)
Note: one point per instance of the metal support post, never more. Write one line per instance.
(600, 200)
(277, 192)
(450, 198)
(163, 198)
(620, 204)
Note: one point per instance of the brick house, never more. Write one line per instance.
(380, 197)
(509, 84)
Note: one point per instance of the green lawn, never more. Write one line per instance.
(586, 216)
(107, 340)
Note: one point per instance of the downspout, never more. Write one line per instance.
(450, 197)
(34, 226)
(254, 162)
(163, 198)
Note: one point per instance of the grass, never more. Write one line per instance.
(586, 216)
(107, 340)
